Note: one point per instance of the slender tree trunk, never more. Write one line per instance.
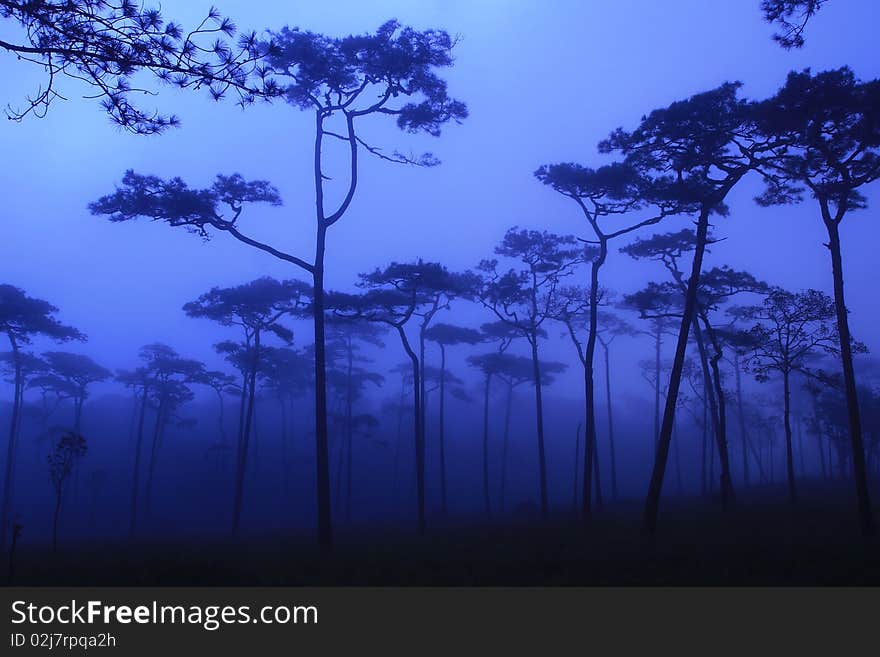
(789, 454)
(652, 502)
(727, 493)
(10, 448)
(577, 466)
(397, 444)
(442, 437)
(676, 446)
(704, 459)
(154, 448)
(860, 474)
(135, 480)
(611, 454)
(322, 451)
(285, 451)
(539, 410)
(741, 419)
(241, 461)
(508, 406)
(349, 430)
(589, 382)
(658, 343)
(419, 439)
(820, 447)
(486, 500)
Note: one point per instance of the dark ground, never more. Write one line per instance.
(762, 542)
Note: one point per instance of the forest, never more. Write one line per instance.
(622, 342)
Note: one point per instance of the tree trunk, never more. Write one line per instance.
(486, 500)
(589, 383)
(611, 454)
(10, 448)
(349, 430)
(154, 448)
(658, 343)
(442, 437)
(135, 485)
(577, 466)
(727, 494)
(419, 439)
(241, 461)
(789, 455)
(508, 406)
(852, 402)
(652, 502)
(741, 419)
(539, 417)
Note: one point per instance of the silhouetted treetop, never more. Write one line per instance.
(829, 128)
(104, 43)
(449, 334)
(22, 317)
(365, 74)
(792, 17)
(257, 305)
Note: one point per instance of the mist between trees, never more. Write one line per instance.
(386, 400)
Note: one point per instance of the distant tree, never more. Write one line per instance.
(395, 296)
(830, 147)
(523, 298)
(610, 327)
(222, 384)
(69, 449)
(513, 371)
(716, 287)
(257, 309)
(447, 335)
(170, 377)
(105, 43)
(791, 16)
(612, 191)
(78, 372)
(21, 319)
(789, 328)
(139, 381)
(347, 374)
(284, 372)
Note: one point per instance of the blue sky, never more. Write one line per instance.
(544, 82)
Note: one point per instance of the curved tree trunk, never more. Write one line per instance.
(419, 439)
(589, 383)
(860, 474)
(727, 494)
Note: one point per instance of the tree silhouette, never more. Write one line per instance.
(447, 335)
(348, 78)
(69, 449)
(697, 150)
(346, 373)
(105, 43)
(77, 372)
(21, 319)
(792, 17)
(614, 191)
(394, 296)
(830, 147)
(285, 373)
(257, 309)
(222, 384)
(388, 73)
(524, 298)
(790, 328)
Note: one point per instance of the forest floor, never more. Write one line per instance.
(763, 541)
